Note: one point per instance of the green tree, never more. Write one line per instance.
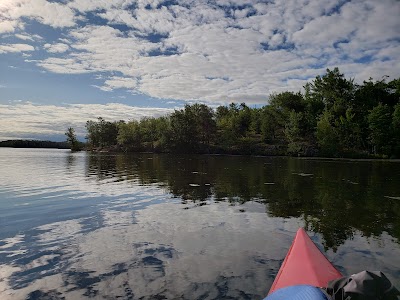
(288, 102)
(334, 90)
(101, 133)
(327, 136)
(129, 135)
(184, 130)
(396, 130)
(272, 124)
(72, 140)
(380, 120)
(93, 136)
(294, 134)
(227, 125)
(349, 131)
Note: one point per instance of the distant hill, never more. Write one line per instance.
(34, 144)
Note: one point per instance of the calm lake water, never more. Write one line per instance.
(144, 226)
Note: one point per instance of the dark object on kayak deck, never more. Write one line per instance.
(366, 285)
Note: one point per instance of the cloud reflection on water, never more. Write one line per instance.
(162, 250)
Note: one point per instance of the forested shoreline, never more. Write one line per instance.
(334, 117)
(34, 144)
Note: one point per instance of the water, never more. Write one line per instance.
(144, 226)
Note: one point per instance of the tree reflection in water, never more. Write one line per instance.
(334, 197)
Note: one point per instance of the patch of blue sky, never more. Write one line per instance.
(364, 59)
(154, 37)
(164, 52)
(337, 44)
(132, 7)
(58, 1)
(395, 40)
(224, 78)
(31, 83)
(47, 88)
(304, 77)
(321, 63)
(231, 9)
(236, 26)
(265, 46)
(48, 33)
(121, 27)
(93, 18)
(167, 3)
(336, 9)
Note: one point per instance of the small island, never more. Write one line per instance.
(334, 117)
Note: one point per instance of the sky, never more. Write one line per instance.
(65, 62)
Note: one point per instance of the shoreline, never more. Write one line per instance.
(108, 151)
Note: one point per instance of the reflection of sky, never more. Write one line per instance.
(56, 173)
(211, 251)
(40, 185)
(69, 235)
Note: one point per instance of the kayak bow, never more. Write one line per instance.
(304, 264)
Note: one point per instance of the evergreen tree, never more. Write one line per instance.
(72, 140)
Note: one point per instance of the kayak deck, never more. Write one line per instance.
(304, 264)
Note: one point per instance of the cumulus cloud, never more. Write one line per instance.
(56, 48)
(25, 119)
(24, 37)
(16, 48)
(48, 13)
(214, 50)
(7, 26)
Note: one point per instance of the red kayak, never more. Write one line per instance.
(304, 264)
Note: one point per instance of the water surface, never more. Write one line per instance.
(145, 226)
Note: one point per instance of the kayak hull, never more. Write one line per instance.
(304, 264)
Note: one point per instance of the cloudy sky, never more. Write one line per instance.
(64, 62)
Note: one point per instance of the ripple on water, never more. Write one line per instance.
(116, 226)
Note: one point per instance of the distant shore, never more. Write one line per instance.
(34, 144)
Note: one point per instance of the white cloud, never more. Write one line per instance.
(7, 25)
(103, 88)
(24, 37)
(49, 13)
(64, 66)
(25, 119)
(121, 82)
(56, 48)
(13, 48)
(93, 5)
(215, 51)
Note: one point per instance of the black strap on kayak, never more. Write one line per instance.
(366, 285)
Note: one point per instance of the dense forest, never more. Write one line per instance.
(34, 144)
(334, 117)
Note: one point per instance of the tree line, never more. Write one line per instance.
(34, 144)
(333, 117)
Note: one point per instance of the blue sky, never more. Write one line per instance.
(64, 62)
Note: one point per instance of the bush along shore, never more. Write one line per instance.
(334, 117)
